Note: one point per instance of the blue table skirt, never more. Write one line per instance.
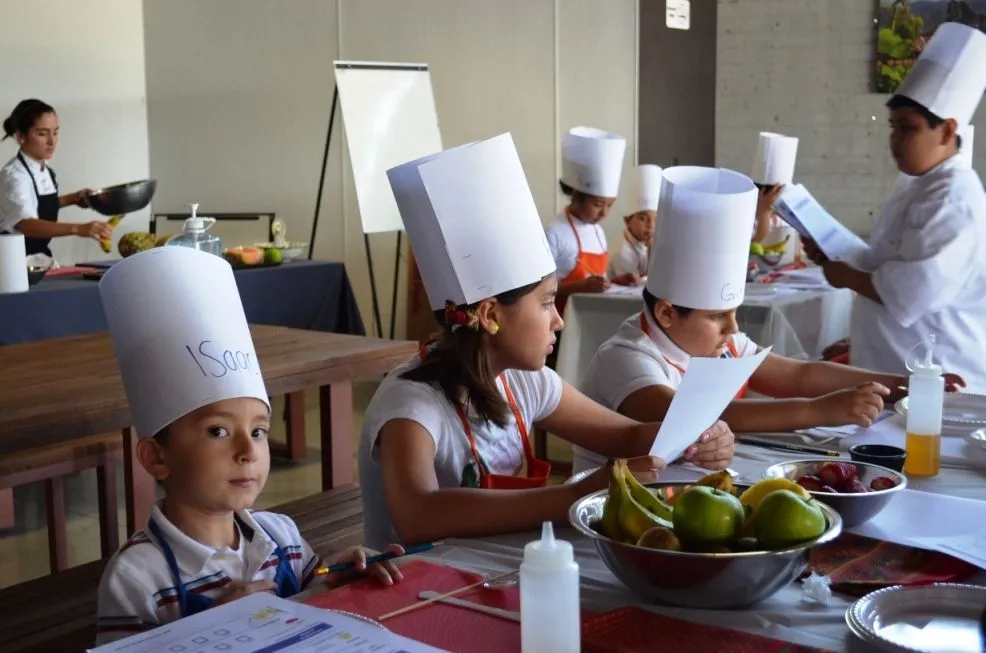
(313, 295)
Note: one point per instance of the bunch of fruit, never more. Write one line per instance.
(842, 478)
(711, 516)
(242, 257)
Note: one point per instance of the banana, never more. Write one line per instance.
(649, 501)
(722, 481)
(754, 494)
(635, 520)
(778, 247)
(106, 244)
(610, 525)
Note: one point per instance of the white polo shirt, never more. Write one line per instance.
(137, 591)
(564, 245)
(632, 360)
(537, 395)
(634, 257)
(18, 200)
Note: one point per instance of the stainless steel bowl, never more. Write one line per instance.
(855, 509)
(35, 273)
(125, 198)
(697, 580)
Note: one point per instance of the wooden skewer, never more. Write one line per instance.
(421, 604)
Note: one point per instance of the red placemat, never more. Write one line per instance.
(634, 630)
(858, 565)
(445, 626)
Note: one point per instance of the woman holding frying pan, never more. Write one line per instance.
(29, 199)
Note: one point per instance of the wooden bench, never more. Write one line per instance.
(58, 612)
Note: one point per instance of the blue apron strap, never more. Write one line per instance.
(284, 578)
(169, 557)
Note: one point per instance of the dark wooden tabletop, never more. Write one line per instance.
(57, 390)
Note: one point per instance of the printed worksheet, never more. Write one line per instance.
(262, 623)
(798, 208)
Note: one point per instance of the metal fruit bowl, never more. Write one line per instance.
(697, 580)
(855, 509)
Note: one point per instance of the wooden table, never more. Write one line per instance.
(60, 390)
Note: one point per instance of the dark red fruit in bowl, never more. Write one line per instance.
(811, 483)
(855, 486)
(882, 483)
(836, 474)
(830, 489)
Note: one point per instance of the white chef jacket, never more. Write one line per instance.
(18, 200)
(565, 247)
(634, 257)
(928, 260)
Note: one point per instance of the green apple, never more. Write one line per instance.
(704, 516)
(784, 519)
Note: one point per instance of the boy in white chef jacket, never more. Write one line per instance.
(924, 272)
(693, 290)
(592, 164)
(199, 404)
(634, 256)
(773, 169)
(445, 449)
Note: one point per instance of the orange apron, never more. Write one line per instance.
(538, 471)
(645, 327)
(586, 264)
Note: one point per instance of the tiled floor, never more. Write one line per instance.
(24, 549)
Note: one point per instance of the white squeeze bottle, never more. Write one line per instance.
(550, 620)
(925, 401)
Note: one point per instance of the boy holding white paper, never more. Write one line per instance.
(923, 273)
(201, 410)
(445, 449)
(696, 282)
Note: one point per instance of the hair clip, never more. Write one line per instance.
(456, 317)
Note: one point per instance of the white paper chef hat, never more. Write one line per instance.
(968, 135)
(472, 222)
(949, 77)
(775, 159)
(592, 161)
(180, 334)
(701, 248)
(648, 178)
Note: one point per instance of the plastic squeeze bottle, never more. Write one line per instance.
(925, 401)
(550, 619)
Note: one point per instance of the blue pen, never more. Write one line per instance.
(380, 557)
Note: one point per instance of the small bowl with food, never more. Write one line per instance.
(858, 491)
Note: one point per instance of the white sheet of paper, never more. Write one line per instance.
(798, 208)
(261, 622)
(936, 522)
(616, 289)
(706, 389)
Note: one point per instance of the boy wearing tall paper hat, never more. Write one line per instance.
(592, 164)
(201, 410)
(924, 273)
(634, 256)
(695, 285)
(773, 169)
(445, 449)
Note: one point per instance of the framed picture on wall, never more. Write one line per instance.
(904, 27)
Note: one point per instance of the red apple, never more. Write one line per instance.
(836, 474)
(882, 483)
(811, 483)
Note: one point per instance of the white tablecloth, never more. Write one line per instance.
(798, 322)
(784, 616)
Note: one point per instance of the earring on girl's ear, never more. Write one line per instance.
(496, 328)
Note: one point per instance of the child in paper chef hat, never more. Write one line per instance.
(634, 257)
(924, 273)
(693, 289)
(592, 164)
(445, 449)
(193, 382)
(773, 169)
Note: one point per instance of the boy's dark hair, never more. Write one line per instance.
(934, 121)
(650, 301)
(458, 362)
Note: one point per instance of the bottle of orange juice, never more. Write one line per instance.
(925, 400)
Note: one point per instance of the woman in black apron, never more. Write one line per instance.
(29, 200)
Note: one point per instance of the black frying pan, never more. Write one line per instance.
(125, 198)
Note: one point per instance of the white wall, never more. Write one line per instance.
(87, 61)
(239, 94)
